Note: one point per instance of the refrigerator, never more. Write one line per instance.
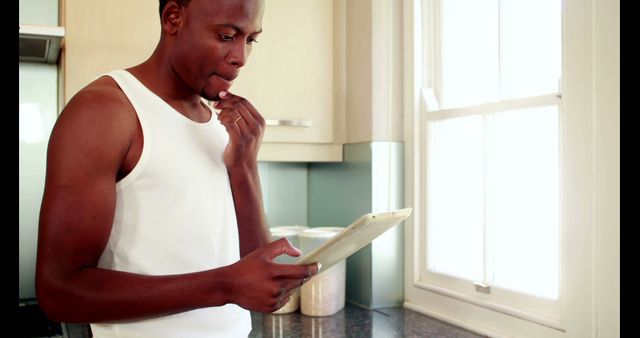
(38, 109)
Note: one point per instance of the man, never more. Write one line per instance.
(151, 200)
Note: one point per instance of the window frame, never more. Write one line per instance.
(546, 312)
(576, 311)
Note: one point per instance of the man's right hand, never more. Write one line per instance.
(257, 283)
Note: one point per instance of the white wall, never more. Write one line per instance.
(607, 136)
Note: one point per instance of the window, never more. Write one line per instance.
(489, 155)
(492, 147)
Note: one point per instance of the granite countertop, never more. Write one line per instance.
(354, 321)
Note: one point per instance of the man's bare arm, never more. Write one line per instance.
(245, 127)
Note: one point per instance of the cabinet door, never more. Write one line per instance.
(289, 74)
(104, 35)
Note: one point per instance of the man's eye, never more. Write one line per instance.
(225, 37)
(251, 41)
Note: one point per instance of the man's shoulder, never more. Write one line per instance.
(100, 109)
(103, 90)
(101, 96)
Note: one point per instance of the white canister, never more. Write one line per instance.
(296, 228)
(291, 233)
(323, 295)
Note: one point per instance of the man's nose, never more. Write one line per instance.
(239, 53)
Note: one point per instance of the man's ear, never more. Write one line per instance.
(172, 17)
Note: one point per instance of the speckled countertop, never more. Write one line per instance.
(354, 321)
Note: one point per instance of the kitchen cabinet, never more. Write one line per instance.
(104, 35)
(292, 76)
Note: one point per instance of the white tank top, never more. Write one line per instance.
(174, 214)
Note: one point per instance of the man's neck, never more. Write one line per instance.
(157, 75)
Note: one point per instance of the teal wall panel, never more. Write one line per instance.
(284, 192)
(338, 194)
(369, 180)
(387, 251)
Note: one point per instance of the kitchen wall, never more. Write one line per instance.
(607, 131)
(371, 177)
(38, 93)
(284, 192)
(335, 194)
(369, 180)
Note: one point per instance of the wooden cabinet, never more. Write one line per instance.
(290, 76)
(289, 73)
(104, 35)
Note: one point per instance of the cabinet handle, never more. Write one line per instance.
(288, 123)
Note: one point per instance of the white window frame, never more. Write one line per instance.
(577, 310)
(542, 311)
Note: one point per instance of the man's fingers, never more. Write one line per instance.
(242, 124)
(227, 119)
(238, 112)
(280, 247)
(298, 272)
(253, 111)
(237, 102)
(282, 301)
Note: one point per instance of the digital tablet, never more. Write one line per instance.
(353, 238)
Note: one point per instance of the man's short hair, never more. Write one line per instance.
(180, 2)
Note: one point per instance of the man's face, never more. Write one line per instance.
(214, 42)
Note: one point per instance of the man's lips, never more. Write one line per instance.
(228, 80)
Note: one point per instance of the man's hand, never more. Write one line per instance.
(245, 127)
(259, 284)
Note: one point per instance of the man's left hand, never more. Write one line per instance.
(245, 127)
